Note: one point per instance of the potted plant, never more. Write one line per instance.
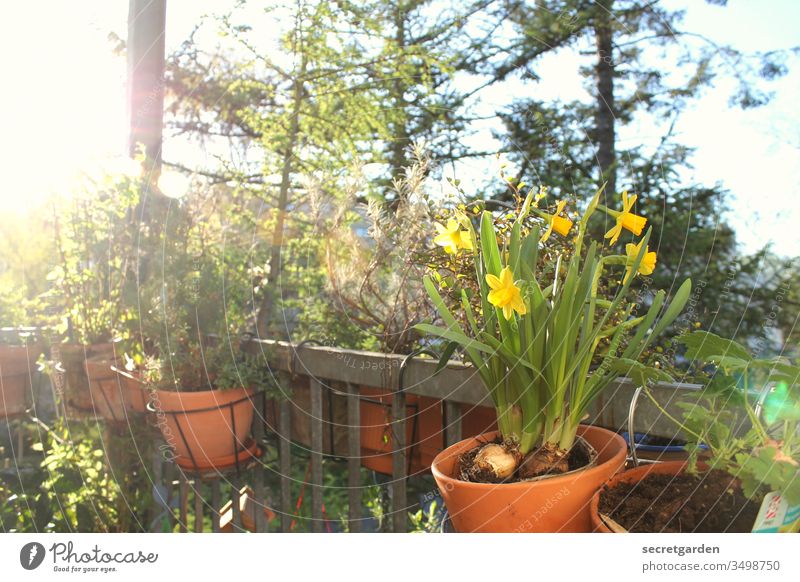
(371, 255)
(546, 337)
(195, 300)
(203, 396)
(750, 449)
(95, 245)
(18, 354)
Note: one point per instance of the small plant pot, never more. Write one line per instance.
(424, 436)
(555, 504)
(17, 367)
(208, 429)
(78, 397)
(425, 429)
(106, 391)
(604, 524)
(135, 394)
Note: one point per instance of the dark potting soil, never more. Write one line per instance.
(579, 456)
(706, 503)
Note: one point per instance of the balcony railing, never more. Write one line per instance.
(327, 379)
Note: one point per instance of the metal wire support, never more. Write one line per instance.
(293, 359)
(631, 436)
(762, 397)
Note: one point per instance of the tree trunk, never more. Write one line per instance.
(400, 133)
(275, 265)
(146, 25)
(604, 117)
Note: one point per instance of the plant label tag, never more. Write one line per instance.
(775, 515)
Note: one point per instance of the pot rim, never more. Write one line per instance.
(200, 400)
(565, 479)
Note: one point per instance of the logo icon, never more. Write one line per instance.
(31, 555)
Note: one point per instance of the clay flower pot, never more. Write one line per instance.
(17, 366)
(105, 390)
(135, 394)
(208, 429)
(77, 391)
(632, 475)
(672, 468)
(424, 429)
(556, 504)
(424, 436)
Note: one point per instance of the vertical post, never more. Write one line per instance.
(216, 500)
(452, 419)
(158, 480)
(353, 458)
(146, 25)
(399, 462)
(259, 492)
(198, 506)
(169, 481)
(20, 443)
(183, 501)
(316, 455)
(285, 436)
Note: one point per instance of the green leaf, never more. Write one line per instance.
(490, 250)
(639, 374)
(593, 204)
(445, 357)
(675, 308)
(454, 336)
(705, 346)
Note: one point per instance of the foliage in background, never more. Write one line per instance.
(763, 451)
(95, 233)
(571, 145)
(374, 256)
(77, 488)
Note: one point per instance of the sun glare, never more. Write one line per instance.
(64, 111)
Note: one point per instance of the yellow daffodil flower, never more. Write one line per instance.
(505, 294)
(452, 238)
(556, 223)
(648, 264)
(626, 219)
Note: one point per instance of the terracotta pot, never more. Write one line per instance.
(206, 429)
(105, 390)
(632, 475)
(334, 416)
(424, 430)
(135, 394)
(73, 357)
(557, 504)
(17, 367)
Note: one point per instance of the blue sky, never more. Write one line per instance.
(65, 111)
